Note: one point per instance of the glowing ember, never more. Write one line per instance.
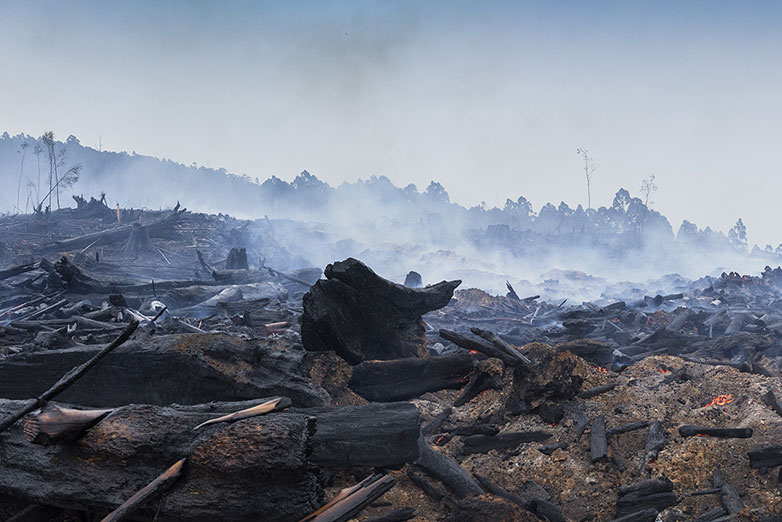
(663, 370)
(474, 352)
(721, 400)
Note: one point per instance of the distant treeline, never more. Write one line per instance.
(134, 180)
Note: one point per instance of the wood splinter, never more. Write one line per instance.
(54, 423)
(162, 482)
(275, 404)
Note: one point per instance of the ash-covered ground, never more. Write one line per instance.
(364, 398)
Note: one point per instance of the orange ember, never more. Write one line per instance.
(663, 370)
(721, 400)
(474, 352)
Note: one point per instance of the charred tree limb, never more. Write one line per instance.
(69, 378)
(351, 501)
(148, 492)
(479, 345)
(598, 445)
(447, 471)
(502, 345)
(725, 433)
(484, 443)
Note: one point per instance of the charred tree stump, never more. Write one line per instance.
(362, 316)
(237, 259)
(402, 379)
(138, 243)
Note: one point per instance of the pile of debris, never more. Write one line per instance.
(149, 371)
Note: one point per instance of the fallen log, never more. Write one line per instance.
(487, 375)
(167, 369)
(501, 345)
(730, 498)
(424, 485)
(655, 440)
(479, 345)
(483, 443)
(597, 390)
(766, 457)
(18, 270)
(725, 433)
(772, 399)
(235, 471)
(447, 471)
(598, 446)
(375, 435)
(161, 228)
(402, 379)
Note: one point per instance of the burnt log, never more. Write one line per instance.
(425, 485)
(256, 465)
(766, 457)
(644, 515)
(167, 369)
(161, 228)
(375, 435)
(772, 399)
(352, 500)
(434, 425)
(402, 379)
(730, 498)
(597, 390)
(598, 445)
(484, 443)
(487, 375)
(655, 440)
(725, 433)
(447, 471)
(654, 493)
(478, 345)
(361, 316)
(17, 270)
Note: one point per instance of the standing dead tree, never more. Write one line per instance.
(23, 152)
(589, 169)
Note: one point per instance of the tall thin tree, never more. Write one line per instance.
(589, 169)
(23, 152)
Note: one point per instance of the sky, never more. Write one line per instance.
(491, 99)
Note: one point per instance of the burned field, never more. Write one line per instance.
(152, 369)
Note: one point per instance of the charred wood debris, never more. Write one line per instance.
(152, 368)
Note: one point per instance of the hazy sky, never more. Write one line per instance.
(490, 98)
